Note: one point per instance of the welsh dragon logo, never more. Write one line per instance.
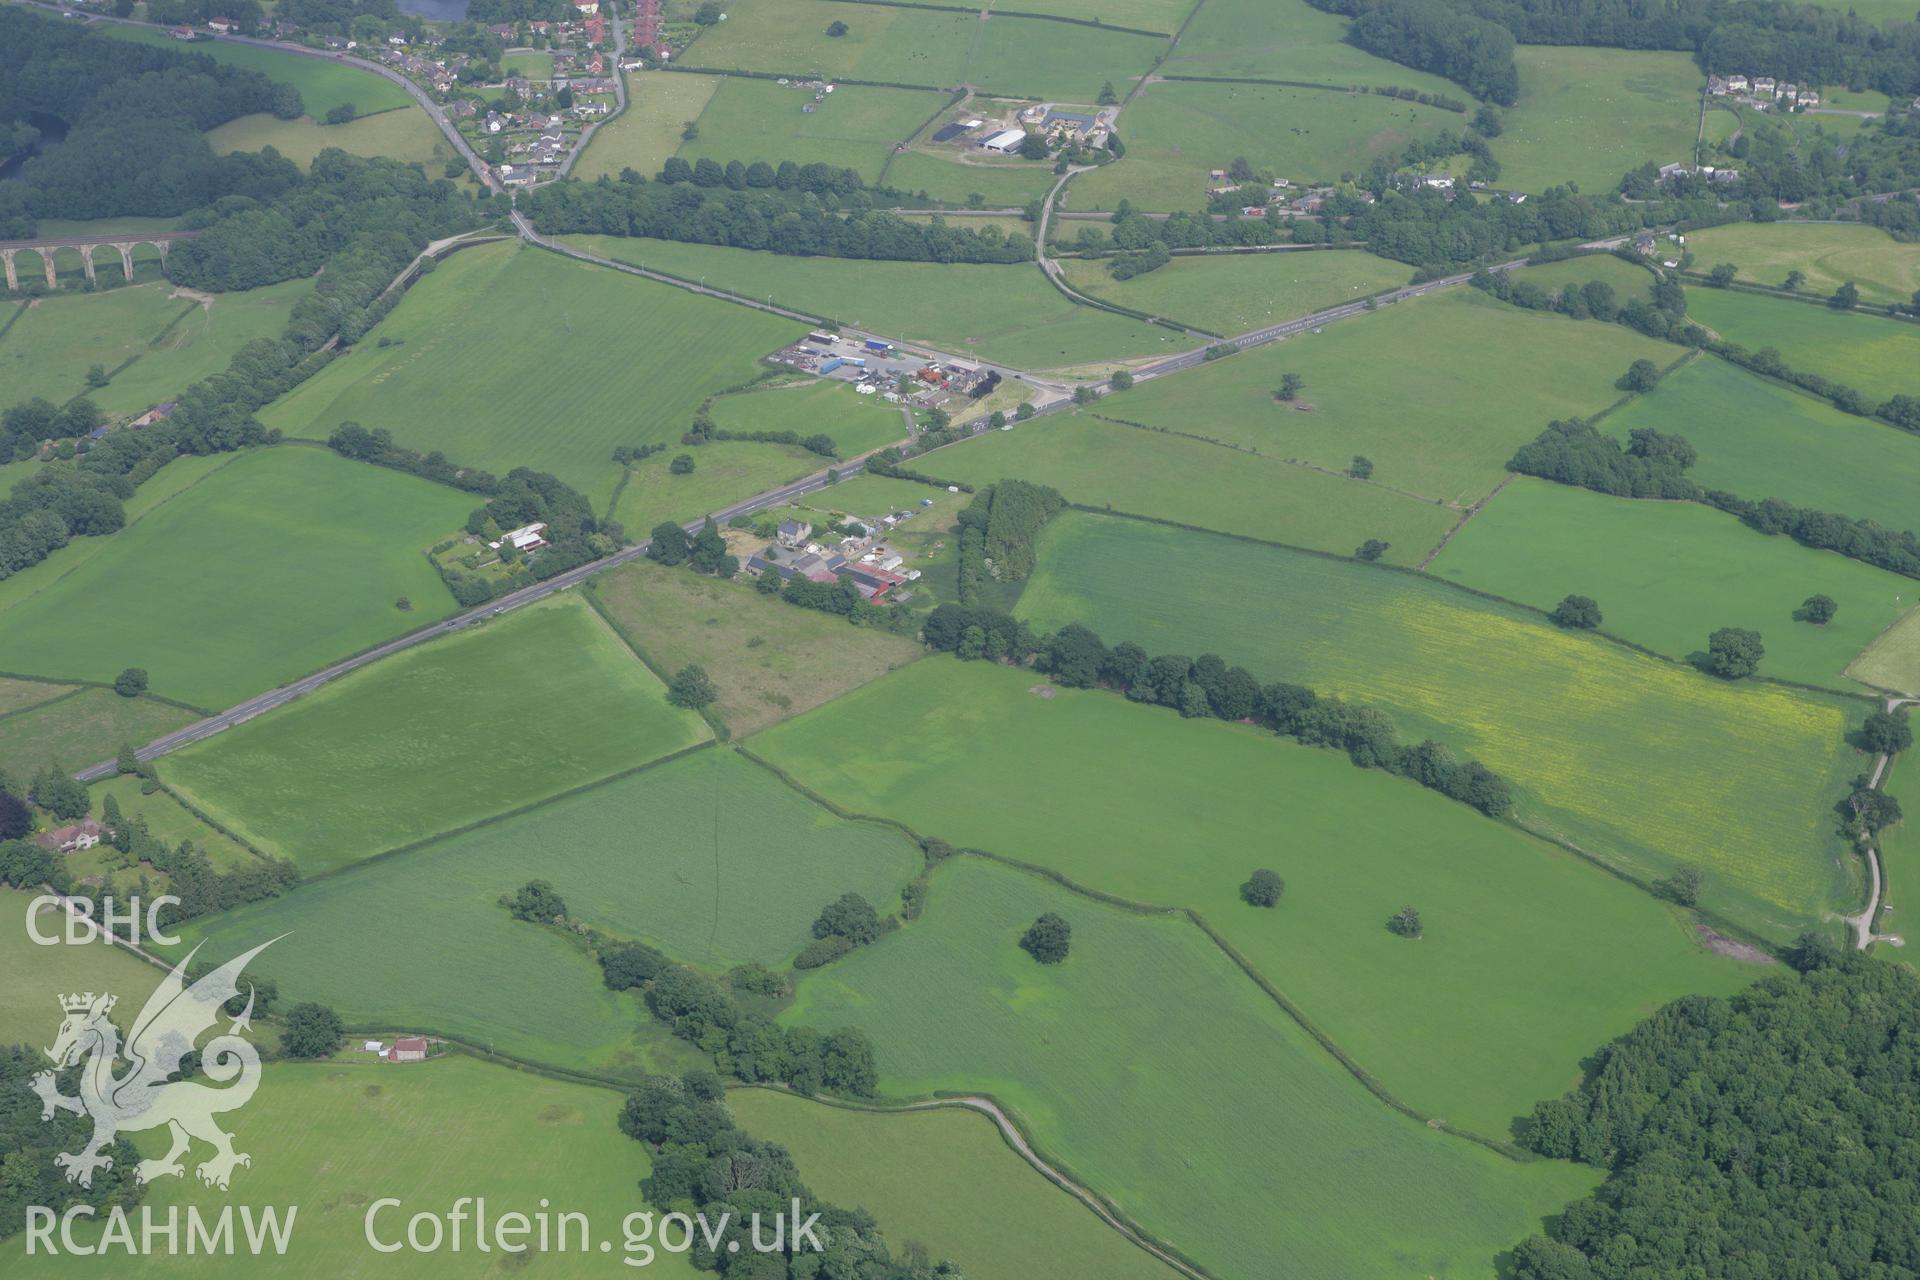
(143, 1097)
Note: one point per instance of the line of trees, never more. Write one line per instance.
(1653, 464)
(831, 219)
(1662, 316)
(699, 1157)
(1207, 687)
(1448, 40)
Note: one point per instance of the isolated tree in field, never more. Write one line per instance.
(1734, 652)
(1818, 610)
(691, 687)
(1722, 276)
(1047, 938)
(1885, 733)
(96, 375)
(1290, 386)
(1641, 375)
(1405, 922)
(836, 29)
(1683, 886)
(1108, 97)
(131, 683)
(668, 544)
(403, 604)
(848, 916)
(1795, 279)
(1263, 888)
(1372, 549)
(311, 1031)
(682, 464)
(1361, 468)
(538, 901)
(1581, 613)
(1121, 381)
(1846, 297)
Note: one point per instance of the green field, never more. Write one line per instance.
(592, 359)
(1643, 763)
(768, 660)
(475, 724)
(1882, 268)
(169, 821)
(1151, 473)
(1576, 955)
(857, 423)
(37, 975)
(1438, 391)
(659, 105)
(946, 1179)
(1000, 184)
(1000, 312)
(323, 83)
(1892, 661)
(1151, 1067)
(330, 545)
(1164, 16)
(1628, 280)
(1178, 130)
(938, 49)
(333, 1137)
(403, 135)
(1287, 40)
(1232, 293)
(81, 730)
(534, 66)
(1667, 574)
(1760, 439)
(725, 472)
(710, 857)
(856, 127)
(18, 695)
(166, 343)
(1878, 356)
(1588, 115)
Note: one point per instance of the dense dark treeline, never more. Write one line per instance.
(372, 217)
(1772, 1133)
(1474, 53)
(1653, 464)
(31, 1143)
(828, 218)
(1823, 46)
(700, 1158)
(137, 115)
(999, 530)
(1207, 687)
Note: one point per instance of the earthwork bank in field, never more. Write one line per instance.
(1151, 1067)
(709, 857)
(1080, 787)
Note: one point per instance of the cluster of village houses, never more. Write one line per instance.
(1763, 91)
(876, 570)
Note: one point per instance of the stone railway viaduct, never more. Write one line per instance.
(85, 245)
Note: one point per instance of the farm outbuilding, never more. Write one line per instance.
(1005, 140)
